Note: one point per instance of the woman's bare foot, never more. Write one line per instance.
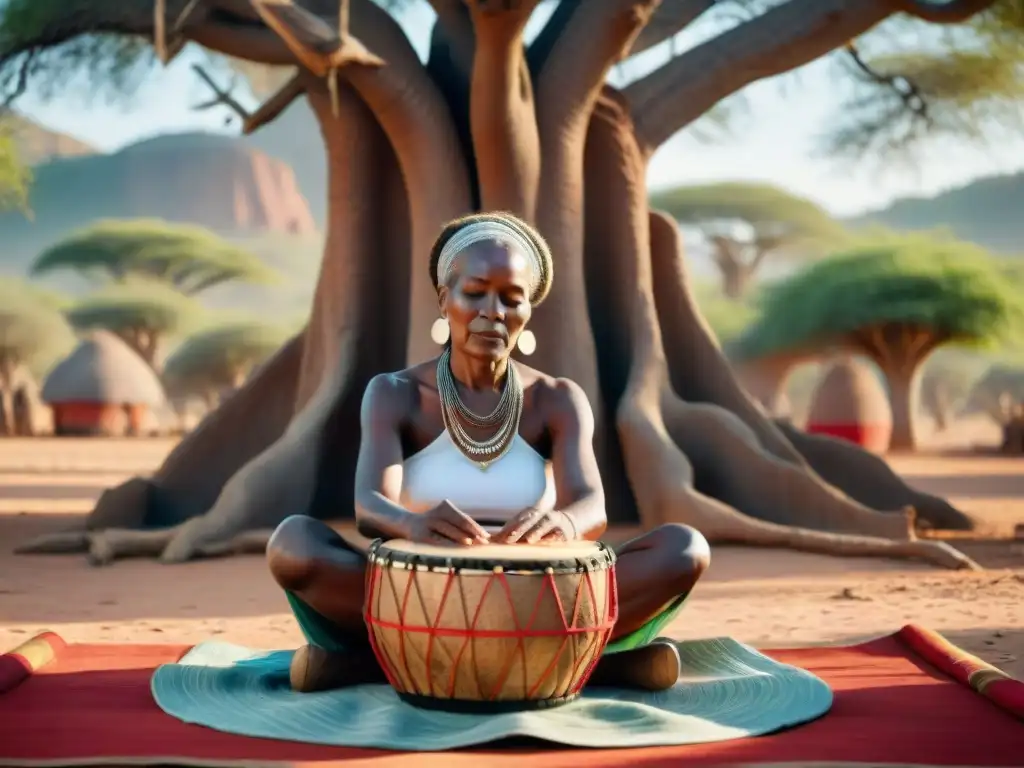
(315, 669)
(653, 667)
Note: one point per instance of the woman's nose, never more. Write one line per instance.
(494, 308)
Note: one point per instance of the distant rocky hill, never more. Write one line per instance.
(213, 181)
(294, 138)
(38, 145)
(988, 211)
(219, 182)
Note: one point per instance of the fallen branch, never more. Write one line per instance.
(265, 113)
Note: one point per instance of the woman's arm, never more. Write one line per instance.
(378, 482)
(577, 478)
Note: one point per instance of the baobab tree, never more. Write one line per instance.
(491, 123)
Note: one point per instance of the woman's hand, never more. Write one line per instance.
(534, 525)
(445, 524)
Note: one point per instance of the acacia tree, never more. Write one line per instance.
(143, 315)
(189, 258)
(216, 361)
(895, 303)
(748, 223)
(15, 177)
(491, 123)
(32, 335)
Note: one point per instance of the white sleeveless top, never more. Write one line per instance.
(519, 479)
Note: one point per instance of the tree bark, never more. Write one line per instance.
(903, 397)
(503, 119)
(736, 278)
(765, 378)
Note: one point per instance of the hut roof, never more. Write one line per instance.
(103, 369)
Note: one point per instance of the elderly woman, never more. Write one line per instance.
(433, 469)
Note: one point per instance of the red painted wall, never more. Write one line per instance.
(871, 437)
(85, 418)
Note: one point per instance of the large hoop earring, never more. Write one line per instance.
(527, 343)
(439, 331)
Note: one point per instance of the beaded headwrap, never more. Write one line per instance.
(487, 230)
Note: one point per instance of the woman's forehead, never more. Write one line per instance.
(492, 255)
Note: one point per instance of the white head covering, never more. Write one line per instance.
(489, 230)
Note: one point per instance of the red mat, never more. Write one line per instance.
(911, 699)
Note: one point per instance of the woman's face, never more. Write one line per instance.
(487, 299)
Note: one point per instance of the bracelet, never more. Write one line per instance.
(572, 524)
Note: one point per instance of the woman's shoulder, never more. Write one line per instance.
(555, 394)
(398, 390)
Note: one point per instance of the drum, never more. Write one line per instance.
(489, 628)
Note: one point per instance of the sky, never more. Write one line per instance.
(774, 140)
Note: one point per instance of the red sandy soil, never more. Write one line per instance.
(763, 597)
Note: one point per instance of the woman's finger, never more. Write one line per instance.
(450, 532)
(539, 530)
(464, 523)
(521, 525)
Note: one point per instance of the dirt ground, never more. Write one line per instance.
(763, 597)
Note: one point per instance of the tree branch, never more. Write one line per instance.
(321, 49)
(243, 41)
(265, 113)
(218, 32)
(169, 47)
(671, 18)
(590, 44)
(503, 118)
(949, 12)
(781, 39)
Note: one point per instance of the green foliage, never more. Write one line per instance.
(727, 317)
(136, 306)
(113, 64)
(951, 290)
(189, 258)
(14, 176)
(774, 217)
(32, 332)
(925, 83)
(216, 358)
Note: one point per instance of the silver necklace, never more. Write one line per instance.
(504, 419)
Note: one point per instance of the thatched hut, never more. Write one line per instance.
(103, 388)
(851, 403)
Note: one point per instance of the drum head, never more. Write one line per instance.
(561, 556)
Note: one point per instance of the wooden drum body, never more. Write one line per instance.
(489, 628)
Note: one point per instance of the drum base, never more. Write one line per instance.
(480, 707)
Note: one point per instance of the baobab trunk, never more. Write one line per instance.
(903, 399)
(410, 147)
(736, 277)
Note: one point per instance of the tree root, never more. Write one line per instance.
(656, 429)
(732, 466)
(870, 480)
(60, 543)
(664, 480)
